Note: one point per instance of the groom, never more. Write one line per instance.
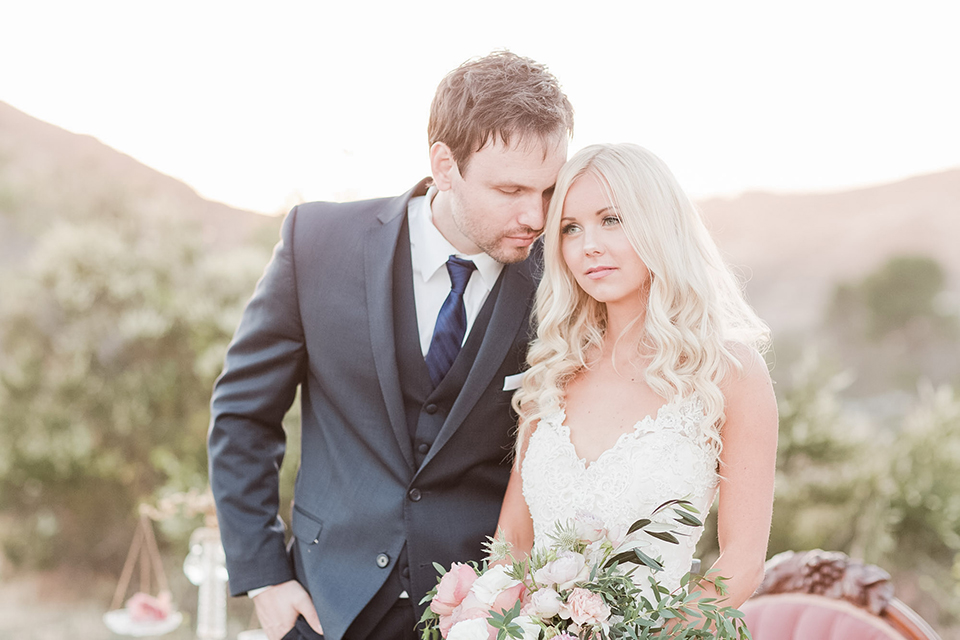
(404, 322)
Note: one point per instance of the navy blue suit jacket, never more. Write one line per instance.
(321, 318)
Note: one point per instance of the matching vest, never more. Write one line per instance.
(426, 407)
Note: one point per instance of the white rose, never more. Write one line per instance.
(531, 630)
(616, 534)
(568, 569)
(589, 528)
(490, 584)
(546, 602)
(475, 629)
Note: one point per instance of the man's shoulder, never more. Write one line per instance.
(384, 208)
(353, 207)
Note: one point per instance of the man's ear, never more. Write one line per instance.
(442, 166)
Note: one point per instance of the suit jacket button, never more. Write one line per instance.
(430, 408)
(423, 448)
(414, 495)
(383, 560)
(406, 572)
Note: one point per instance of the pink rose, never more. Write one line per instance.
(471, 602)
(144, 607)
(453, 588)
(584, 607)
(568, 569)
(508, 597)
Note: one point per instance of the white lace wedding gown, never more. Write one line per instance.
(665, 457)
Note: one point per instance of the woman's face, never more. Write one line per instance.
(595, 247)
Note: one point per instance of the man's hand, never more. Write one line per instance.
(279, 606)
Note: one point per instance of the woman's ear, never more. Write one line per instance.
(442, 166)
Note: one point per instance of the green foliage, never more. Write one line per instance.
(892, 328)
(109, 345)
(920, 514)
(820, 463)
(902, 289)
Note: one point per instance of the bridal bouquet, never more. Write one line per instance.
(586, 585)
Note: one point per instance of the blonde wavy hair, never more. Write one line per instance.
(696, 315)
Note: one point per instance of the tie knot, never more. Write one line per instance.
(459, 270)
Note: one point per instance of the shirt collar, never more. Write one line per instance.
(430, 250)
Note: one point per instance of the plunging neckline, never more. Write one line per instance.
(651, 418)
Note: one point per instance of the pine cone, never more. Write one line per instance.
(830, 574)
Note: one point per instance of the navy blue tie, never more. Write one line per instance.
(451, 321)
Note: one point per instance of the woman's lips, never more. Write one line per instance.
(595, 273)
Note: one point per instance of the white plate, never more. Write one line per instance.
(119, 622)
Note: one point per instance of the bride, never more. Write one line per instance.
(645, 383)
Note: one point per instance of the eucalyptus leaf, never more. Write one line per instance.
(656, 565)
(666, 536)
(639, 524)
(687, 519)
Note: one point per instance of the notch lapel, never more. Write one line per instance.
(379, 251)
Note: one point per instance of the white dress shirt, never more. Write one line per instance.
(429, 252)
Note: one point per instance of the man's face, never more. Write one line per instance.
(497, 205)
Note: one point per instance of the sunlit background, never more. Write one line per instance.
(258, 107)
(821, 140)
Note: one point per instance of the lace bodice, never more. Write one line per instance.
(663, 458)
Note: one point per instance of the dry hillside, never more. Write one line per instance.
(47, 173)
(795, 247)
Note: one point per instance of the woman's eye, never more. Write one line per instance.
(609, 221)
(567, 229)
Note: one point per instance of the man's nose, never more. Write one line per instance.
(533, 212)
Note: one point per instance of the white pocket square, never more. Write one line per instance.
(512, 383)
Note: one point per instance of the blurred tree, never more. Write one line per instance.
(921, 511)
(902, 289)
(820, 480)
(890, 329)
(110, 338)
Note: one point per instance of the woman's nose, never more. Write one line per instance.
(591, 242)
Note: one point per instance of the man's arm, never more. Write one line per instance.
(264, 365)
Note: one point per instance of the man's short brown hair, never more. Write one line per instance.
(500, 95)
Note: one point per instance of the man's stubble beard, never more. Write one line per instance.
(519, 254)
(494, 248)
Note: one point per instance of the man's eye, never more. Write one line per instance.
(509, 192)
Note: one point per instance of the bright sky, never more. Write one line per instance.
(261, 105)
